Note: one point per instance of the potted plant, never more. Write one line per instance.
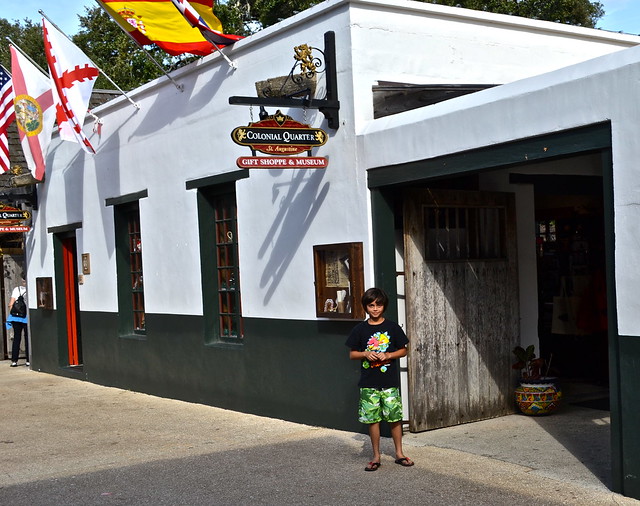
(538, 393)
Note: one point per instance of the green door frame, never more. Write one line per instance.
(59, 235)
(384, 183)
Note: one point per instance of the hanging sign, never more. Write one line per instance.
(11, 219)
(19, 228)
(282, 136)
(283, 162)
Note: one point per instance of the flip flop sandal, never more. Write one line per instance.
(372, 466)
(404, 462)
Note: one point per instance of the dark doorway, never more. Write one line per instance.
(572, 294)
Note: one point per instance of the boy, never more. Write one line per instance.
(378, 343)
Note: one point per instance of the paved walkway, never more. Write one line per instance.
(65, 441)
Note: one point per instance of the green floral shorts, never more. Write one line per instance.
(377, 405)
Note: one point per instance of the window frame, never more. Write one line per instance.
(129, 265)
(209, 192)
(350, 255)
(462, 233)
(227, 280)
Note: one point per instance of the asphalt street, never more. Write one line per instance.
(65, 442)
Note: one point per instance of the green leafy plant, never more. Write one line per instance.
(528, 364)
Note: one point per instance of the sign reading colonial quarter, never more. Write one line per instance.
(11, 217)
(282, 136)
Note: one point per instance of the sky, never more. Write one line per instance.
(620, 15)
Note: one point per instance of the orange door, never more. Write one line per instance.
(71, 298)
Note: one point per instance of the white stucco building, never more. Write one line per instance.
(522, 186)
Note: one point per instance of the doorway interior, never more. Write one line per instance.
(571, 275)
(567, 213)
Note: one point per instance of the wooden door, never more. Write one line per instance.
(69, 258)
(462, 305)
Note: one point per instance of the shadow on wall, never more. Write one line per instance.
(298, 208)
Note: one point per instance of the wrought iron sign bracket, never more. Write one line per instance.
(329, 105)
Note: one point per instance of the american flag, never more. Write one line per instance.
(7, 115)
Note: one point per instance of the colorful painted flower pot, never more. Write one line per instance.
(538, 398)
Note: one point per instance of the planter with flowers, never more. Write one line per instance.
(538, 394)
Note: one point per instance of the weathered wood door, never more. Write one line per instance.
(462, 305)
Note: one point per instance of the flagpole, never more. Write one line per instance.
(232, 64)
(177, 85)
(26, 56)
(196, 21)
(134, 104)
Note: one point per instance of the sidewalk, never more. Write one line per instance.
(65, 441)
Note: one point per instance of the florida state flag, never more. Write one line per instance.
(35, 113)
(160, 22)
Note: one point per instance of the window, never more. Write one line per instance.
(219, 259)
(339, 279)
(135, 266)
(129, 266)
(545, 235)
(464, 233)
(44, 292)
(227, 272)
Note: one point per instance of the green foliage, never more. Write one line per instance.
(113, 51)
(27, 35)
(269, 12)
(103, 41)
(529, 366)
(234, 16)
(572, 12)
(244, 17)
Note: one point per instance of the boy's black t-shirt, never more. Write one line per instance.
(386, 337)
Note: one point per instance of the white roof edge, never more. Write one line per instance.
(581, 70)
(400, 5)
(446, 12)
(504, 19)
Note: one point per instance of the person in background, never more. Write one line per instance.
(18, 323)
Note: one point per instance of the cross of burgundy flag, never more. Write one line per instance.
(73, 75)
(7, 115)
(34, 110)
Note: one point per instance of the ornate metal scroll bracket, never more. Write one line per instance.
(297, 89)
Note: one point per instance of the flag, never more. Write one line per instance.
(159, 22)
(7, 115)
(194, 18)
(35, 113)
(73, 75)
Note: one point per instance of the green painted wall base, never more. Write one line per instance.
(292, 370)
(629, 357)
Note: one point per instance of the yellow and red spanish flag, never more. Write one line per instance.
(159, 22)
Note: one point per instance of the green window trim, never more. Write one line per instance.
(129, 269)
(222, 307)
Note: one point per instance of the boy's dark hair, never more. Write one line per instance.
(375, 295)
